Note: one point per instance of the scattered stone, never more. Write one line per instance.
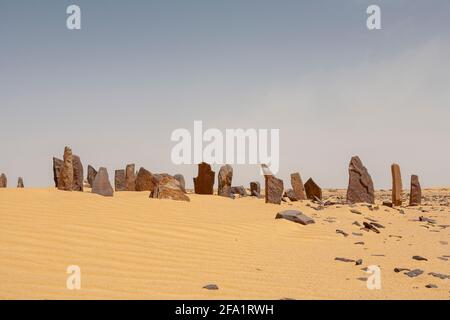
(414, 273)
(3, 181)
(20, 183)
(224, 179)
(357, 234)
(65, 181)
(344, 259)
(425, 219)
(360, 186)
(397, 270)
(431, 286)
(240, 190)
(387, 204)
(255, 189)
(78, 174)
(295, 216)
(130, 177)
(57, 166)
(180, 179)
(312, 190)
(358, 262)
(360, 242)
(91, 175)
(356, 223)
(397, 187)
(168, 187)
(439, 275)
(355, 211)
(145, 181)
(415, 196)
(119, 180)
(419, 258)
(297, 186)
(211, 287)
(377, 225)
(370, 227)
(342, 232)
(273, 189)
(289, 193)
(204, 183)
(101, 184)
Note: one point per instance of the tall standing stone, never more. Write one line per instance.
(101, 184)
(20, 183)
(130, 178)
(3, 181)
(397, 186)
(119, 180)
(255, 189)
(360, 185)
(180, 179)
(66, 177)
(224, 179)
(91, 175)
(297, 186)
(204, 182)
(312, 190)
(78, 174)
(273, 189)
(57, 166)
(415, 196)
(144, 181)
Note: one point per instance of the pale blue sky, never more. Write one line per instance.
(115, 90)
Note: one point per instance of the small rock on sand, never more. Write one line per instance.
(295, 216)
(211, 287)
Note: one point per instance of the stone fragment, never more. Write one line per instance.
(145, 181)
(289, 193)
(297, 186)
(119, 180)
(224, 180)
(180, 179)
(360, 185)
(204, 182)
(397, 187)
(20, 183)
(313, 191)
(419, 258)
(91, 175)
(255, 189)
(415, 196)
(66, 176)
(78, 174)
(101, 184)
(167, 187)
(3, 181)
(273, 189)
(211, 287)
(414, 273)
(295, 216)
(130, 177)
(57, 166)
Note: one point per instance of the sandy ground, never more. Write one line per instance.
(133, 247)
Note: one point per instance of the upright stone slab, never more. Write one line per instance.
(66, 177)
(224, 179)
(3, 181)
(78, 173)
(312, 190)
(144, 180)
(180, 179)
(119, 180)
(130, 178)
(360, 185)
(91, 175)
(204, 182)
(20, 183)
(255, 189)
(57, 166)
(297, 186)
(168, 187)
(273, 189)
(415, 196)
(397, 186)
(101, 184)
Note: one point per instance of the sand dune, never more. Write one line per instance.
(133, 247)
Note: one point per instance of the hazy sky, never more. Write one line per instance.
(115, 90)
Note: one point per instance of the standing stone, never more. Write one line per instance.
(101, 184)
(297, 186)
(130, 178)
(119, 180)
(180, 179)
(66, 177)
(360, 185)
(273, 189)
(312, 190)
(78, 174)
(204, 183)
(3, 181)
(224, 179)
(415, 196)
(20, 183)
(240, 190)
(255, 189)
(144, 180)
(397, 186)
(57, 166)
(168, 187)
(91, 175)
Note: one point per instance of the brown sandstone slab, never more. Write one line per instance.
(91, 175)
(204, 182)
(130, 178)
(312, 190)
(78, 174)
(119, 180)
(297, 186)
(415, 196)
(66, 176)
(224, 179)
(101, 184)
(144, 180)
(397, 187)
(360, 185)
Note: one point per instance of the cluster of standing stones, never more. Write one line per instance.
(68, 175)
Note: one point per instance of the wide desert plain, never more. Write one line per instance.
(133, 247)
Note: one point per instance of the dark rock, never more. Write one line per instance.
(273, 189)
(211, 287)
(431, 286)
(204, 182)
(101, 184)
(66, 175)
(355, 211)
(240, 190)
(20, 183)
(370, 227)
(414, 273)
(289, 193)
(145, 181)
(397, 187)
(225, 178)
(168, 187)
(57, 166)
(387, 204)
(78, 174)
(397, 270)
(295, 216)
(342, 232)
(344, 259)
(439, 275)
(312, 190)
(119, 180)
(358, 262)
(180, 179)
(130, 177)
(91, 175)
(419, 258)
(3, 181)
(415, 196)
(360, 185)
(297, 186)
(360, 242)
(255, 189)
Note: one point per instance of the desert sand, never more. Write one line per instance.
(133, 247)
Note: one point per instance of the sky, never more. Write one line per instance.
(137, 70)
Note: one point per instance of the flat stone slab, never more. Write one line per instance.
(295, 216)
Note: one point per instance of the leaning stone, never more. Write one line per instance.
(145, 181)
(397, 187)
(360, 185)
(204, 182)
(415, 196)
(101, 184)
(119, 180)
(20, 183)
(91, 175)
(78, 174)
(224, 178)
(313, 191)
(295, 216)
(66, 177)
(297, 186)
(57, 166)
